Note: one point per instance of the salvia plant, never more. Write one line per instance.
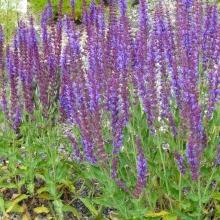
(141, 110)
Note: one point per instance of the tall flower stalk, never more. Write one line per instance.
(3, 96)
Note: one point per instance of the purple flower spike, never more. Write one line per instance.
(145, 68)
(25, 65)
(1, 48)
(192, 154)
(141, 170)
(123, 7)
(213, 94)
(77, 153)
(88, 148)
(3, 98)
(180, 163)
(143, 19)
(46, 17)
(162, 47)
(1, 34)
(12, 68)
(16, 119)
(72, 3)
(114, 174)
(65, 89)
(217, 161)
(210, 35)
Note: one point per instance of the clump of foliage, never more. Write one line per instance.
(8, 17)
(38, 6)
(140, 113)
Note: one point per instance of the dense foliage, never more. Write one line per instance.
(8, 17)
(140, 111)
(38, 6)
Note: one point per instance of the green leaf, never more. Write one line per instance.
(58, 206)
(68, 208)
(42, 189)
(170, 217)
(2, 205)
(45, 196)
(68, 184)
(186, 205)
(216, 196)
(41, 209)
(156, 214)
(40, 176)
(217, 207)
(89, 206)
(13, 207)
(8, 185)
(30, 188)
(14, 204)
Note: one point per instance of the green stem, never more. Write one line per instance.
(209, 181)
(200, 199)
(165, 176)
(180, 188)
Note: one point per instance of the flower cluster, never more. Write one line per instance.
(180, 163)
(2, 75)
(91, 71)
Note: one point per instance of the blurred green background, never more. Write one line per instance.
(36, 6)
(9, 16)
